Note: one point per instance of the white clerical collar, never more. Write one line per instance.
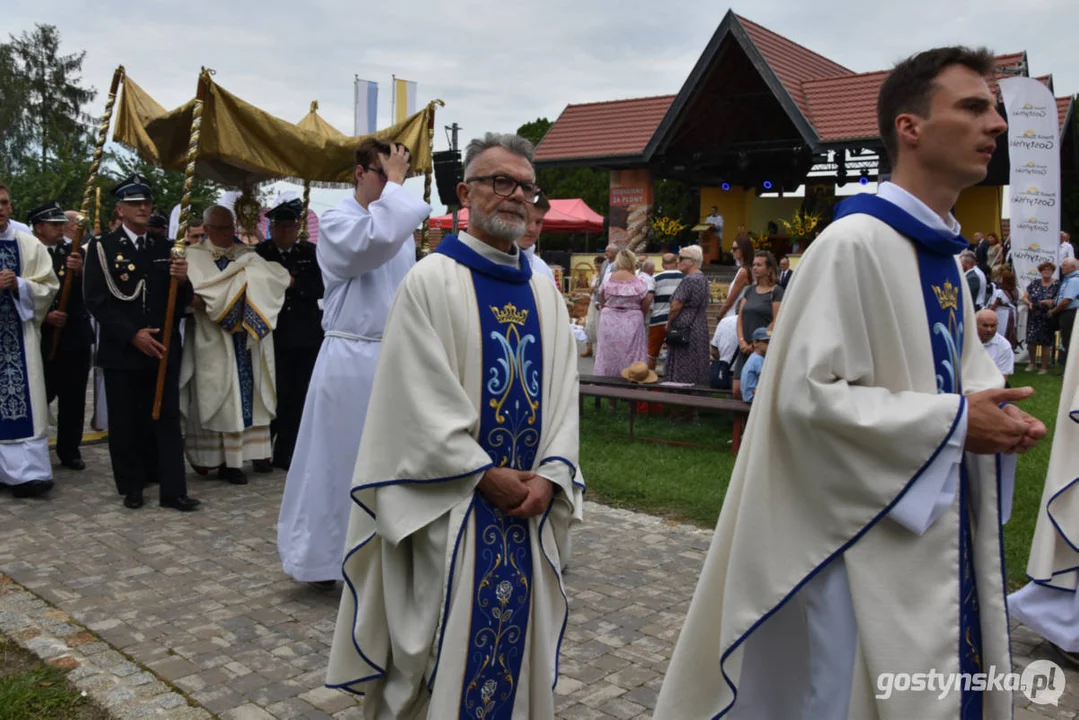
(912, 205)
(511, 259)
(8, 233)
(530, 252)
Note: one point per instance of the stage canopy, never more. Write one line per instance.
(565, 216)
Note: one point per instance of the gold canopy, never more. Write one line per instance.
(241, 145)
(313, 122)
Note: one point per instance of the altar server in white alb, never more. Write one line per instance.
(1049, 604)
(27, 286)
(227, 379)
(465, 488)
(365, 248)
(861, 532)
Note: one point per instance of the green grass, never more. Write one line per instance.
(32, 690)
(689, 483)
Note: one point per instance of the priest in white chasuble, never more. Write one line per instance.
(466, 486)
(1049, 604)
(227, 380)
(860, 537)
(27, 286)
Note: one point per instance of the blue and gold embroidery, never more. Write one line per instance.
(510, 425)
(16, 416)
(231, 323)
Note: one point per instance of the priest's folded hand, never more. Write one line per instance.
(1036, 431)
(8, 280)
(991, 429)
(504, 488)
(540, 493)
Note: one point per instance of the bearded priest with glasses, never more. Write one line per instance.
(465, 489)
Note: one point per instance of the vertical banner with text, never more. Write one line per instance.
(630, 208)
(1034, 154)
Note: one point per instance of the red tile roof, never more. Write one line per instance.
(839, 104)
(792, 63)
(604, 129)
(845, 108)
(1063, 104)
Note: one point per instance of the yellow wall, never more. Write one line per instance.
(734, 205)
(978, 210)
(766, 210)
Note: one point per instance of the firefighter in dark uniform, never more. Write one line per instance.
(67, 373)
(299, 326)
(127, 280)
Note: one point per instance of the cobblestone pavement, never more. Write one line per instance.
(197, 603)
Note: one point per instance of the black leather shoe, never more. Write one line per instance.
(182, 503)
(32, 489)
(324, 585)
(74, 464)
(261, 466)
(281, 463)
(236, 476)
(133, 501)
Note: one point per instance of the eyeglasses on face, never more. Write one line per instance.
(378, 171)
(505, 186)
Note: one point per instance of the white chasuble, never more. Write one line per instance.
(24, 410)
(856, 537)
(227, 378)
(1049, 604)
(450, 608)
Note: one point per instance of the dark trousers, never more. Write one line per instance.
(294, 368)
(65, 381)
(142, 449)
(1067, 323)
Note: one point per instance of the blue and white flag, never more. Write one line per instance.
(366, 114)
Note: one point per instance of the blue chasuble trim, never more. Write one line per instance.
(941, 292)
(244, 370)
(510, 426)
(16, 410)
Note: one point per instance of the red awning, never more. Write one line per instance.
(565, 216)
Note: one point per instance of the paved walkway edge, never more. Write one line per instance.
(127, 690)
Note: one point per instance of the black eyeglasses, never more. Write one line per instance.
(377, 170)
(505, 186)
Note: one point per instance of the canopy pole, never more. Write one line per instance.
(87, 196)
(97, 213)
(425, 235)
(179, 249)
(306, 203)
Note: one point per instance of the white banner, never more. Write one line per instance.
(1034, 153)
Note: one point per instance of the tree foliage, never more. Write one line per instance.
(46, 144)
(589, 184)
(168, 185)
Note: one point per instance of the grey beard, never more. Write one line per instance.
(498, 228)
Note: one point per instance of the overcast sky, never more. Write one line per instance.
(499, 65)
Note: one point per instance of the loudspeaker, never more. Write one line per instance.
(447, 174)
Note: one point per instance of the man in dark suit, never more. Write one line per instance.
(299, 326)
(127, 280)
(785, 272)
(67, 373)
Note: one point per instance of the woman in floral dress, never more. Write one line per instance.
(625, 301)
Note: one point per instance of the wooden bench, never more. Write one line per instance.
(659, 394)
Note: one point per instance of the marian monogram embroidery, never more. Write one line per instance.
(514, 438)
